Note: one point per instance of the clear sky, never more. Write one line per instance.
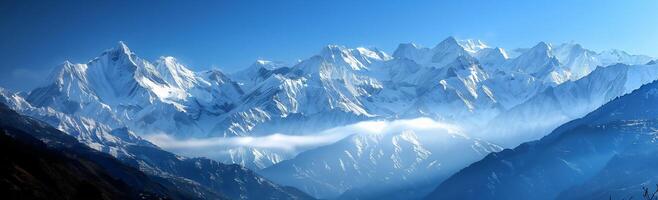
(35, 36)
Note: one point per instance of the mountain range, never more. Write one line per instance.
(495, 98)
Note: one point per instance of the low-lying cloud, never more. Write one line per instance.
(274, 141)
(279, 142)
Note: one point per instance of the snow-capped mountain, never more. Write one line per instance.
(442, 54)
(120, 89)
(462, 92)
(473, 46)
(609, 153)
(490, 58)
(468, 85)
(575, 61)
(614, 56)
(580, 61)
(540, 62)
(258, 72)
(321, 92)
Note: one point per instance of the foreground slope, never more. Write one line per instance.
(40, 162)
(608, 153)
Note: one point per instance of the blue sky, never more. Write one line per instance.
(37, 35)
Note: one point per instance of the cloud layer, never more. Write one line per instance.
(279, 142)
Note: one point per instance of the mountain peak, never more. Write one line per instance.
(451, 39)
(253, 70)
(571, 48)
(409, 45)
(543, 46)
(119, 52)
(168, 58)
(502, 52)
(175, 73)
(369, 54)
(538, 61)
(542, 49)
(262, 62)
(410, 51)
(65, 66)
(332, 50)
(267, 64)
(68, 67)
(615, 51)
(492, 57)
(121, 46)
(66, 63)
(448, 42)
(169, 61)
(447, 51)
(577, 46)
(473, 45)
(333, 47)
(356, 59)
(65, 72)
